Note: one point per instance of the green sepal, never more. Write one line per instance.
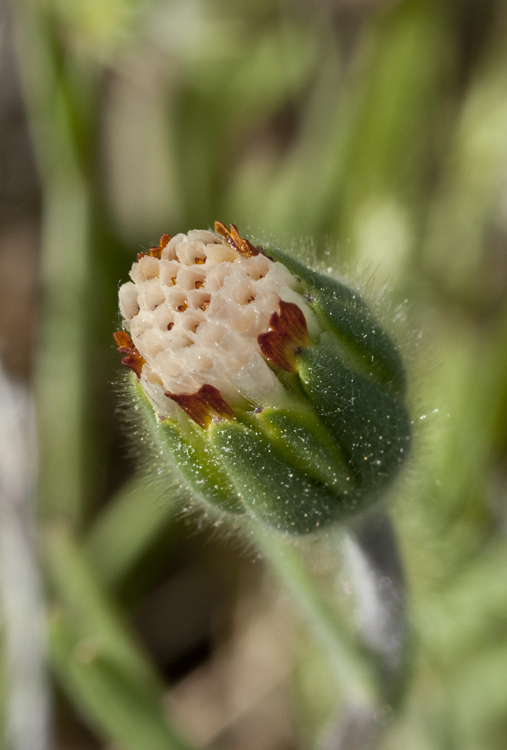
(307, 445)
(370, 425)
(185, 448)
(365, 345)
(274, 491)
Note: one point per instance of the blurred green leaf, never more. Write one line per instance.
(96, 656)
(132, 520)
(120, 708)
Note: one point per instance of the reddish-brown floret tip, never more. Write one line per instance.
(205, 406)
(233, 237)
(156, 251)
(287, 333)
(133, 359)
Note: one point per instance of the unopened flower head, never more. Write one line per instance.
(271, 386)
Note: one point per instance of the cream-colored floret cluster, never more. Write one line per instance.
(195, 315)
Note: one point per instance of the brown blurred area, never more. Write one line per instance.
(20, 214)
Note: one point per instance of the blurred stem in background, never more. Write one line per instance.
(369, 670)
(62, 147)
(26, 709)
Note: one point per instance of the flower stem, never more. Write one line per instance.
(371, 668)
(63, 330)
(373, 562)
(355, 668)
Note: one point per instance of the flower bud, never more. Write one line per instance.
(270, 386)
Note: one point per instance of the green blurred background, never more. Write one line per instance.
(376, 130)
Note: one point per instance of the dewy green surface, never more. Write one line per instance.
(371, 427)
(364, 343)
(306, 444)
(185, 450)
(274, 491)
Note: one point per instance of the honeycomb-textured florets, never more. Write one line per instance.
(195, 315)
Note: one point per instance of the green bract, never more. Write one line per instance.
(323, 445)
